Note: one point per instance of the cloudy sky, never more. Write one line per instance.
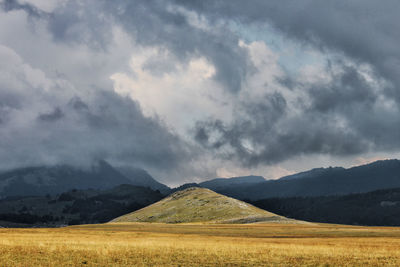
(191, 90)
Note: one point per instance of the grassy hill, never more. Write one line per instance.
(200, 205)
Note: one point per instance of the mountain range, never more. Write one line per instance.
(383, 174)
(66, 194)
(221, 183)
(316, 182)
(38, 181)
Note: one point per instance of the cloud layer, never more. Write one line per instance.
(189, 88)
(351, 110)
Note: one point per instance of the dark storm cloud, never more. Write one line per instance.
(342, 117)
(346, 91)
(367, 31)
(9, 5)
(91, 26)
(345, 115)
(118, 131)
(78, 104)
(110, 127)
(54, 115)
(151, 23)
(44, 122)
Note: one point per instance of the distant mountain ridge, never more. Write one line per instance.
(36, 181)
(141, 177)
(216, 183)
(316, 182)
(383, 174)
(221, 183)
(311, 173)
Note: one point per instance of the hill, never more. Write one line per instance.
(184, 186)
(200, 205)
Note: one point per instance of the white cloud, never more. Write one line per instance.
(180, 94)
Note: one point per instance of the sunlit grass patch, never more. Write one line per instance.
(141, 244)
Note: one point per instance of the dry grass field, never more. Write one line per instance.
(141, 244)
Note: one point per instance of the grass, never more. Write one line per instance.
(200, 205)
(144, 244)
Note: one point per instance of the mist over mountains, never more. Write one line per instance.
(316, 182)
(36, 181)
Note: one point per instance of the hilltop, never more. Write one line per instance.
(200, 205)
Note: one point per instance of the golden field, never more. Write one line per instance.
(141, 244)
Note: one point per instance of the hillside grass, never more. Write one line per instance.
(200, 205)
(145, 244)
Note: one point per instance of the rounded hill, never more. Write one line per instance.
(201, 205)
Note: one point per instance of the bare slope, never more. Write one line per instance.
(200, 205)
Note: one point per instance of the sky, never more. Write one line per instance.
(192, 90)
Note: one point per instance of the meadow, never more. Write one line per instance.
(145, 244)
